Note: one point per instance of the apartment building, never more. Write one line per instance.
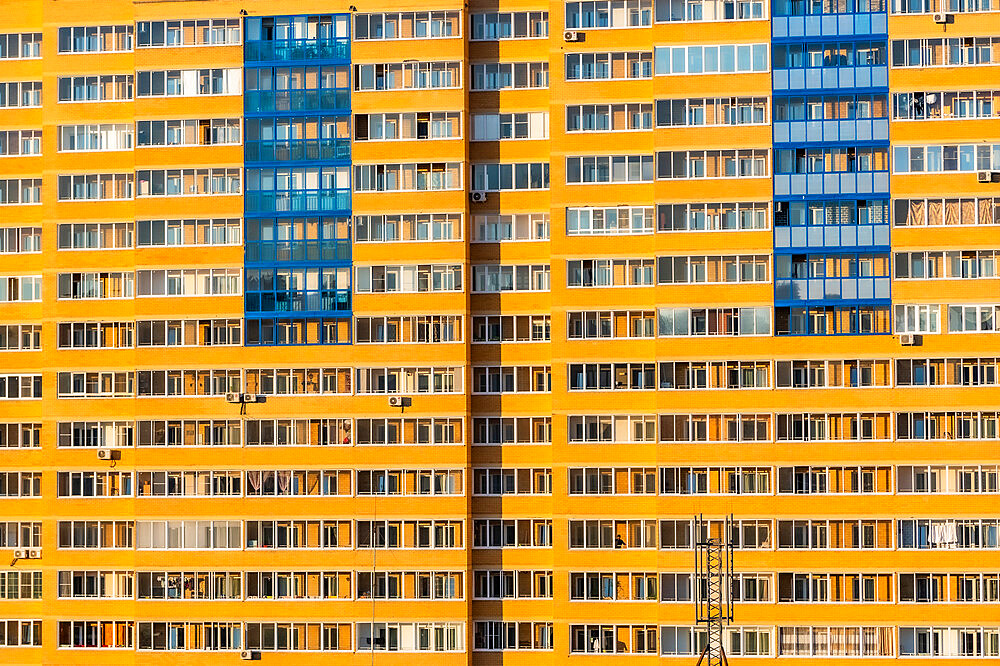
(398, 331)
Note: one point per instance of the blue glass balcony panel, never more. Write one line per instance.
(304, 150)
(295, 101)
(863, 77)
(284, 50)
(838, 289)
(869, 183)
(832, 237)
(297, 201)
(830, 25)
(832, 131)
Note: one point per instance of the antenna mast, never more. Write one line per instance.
(712, 587)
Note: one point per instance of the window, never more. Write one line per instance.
(78, 138)
(745, 216)
(106, 88)
(949, 52)
(721, 59)
(20, 337)
(408, 381)
(86, 286)
(609, 169)
(509, 75)
(681, 164)
(189, 82)
(95, 39)
(20, 435)
(188, 182)
(946, 212)
(917, 319)
(946, 105)
(408, 329)
(422, 278)
(511, 328)
(205, 132)
(20, 240)
(20, 387)
(501, 126)
(188, 534)
(97, 335)
(95, 434)
(20, 585)
(710, 10)
(407, 126)
(179, 233)
(496, 278)
(412, 177)
(609, 66)
(523, 430)
(96, 187)
(952, 158)
(20, 142)
(609, 14)
(507, 177)
(20, 191)
(20, 46)
(517, 227)
(407, 25)
(191, 32)
(512, 636)
(509, 25)
(410, 637)
(829, 54)
(23, 94)
(609, 117)
(721, 111)
(20, 289)
(714, 321)
(488, 380)
(408, 76)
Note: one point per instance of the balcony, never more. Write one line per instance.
(830, 25)
(832, 131)
(298, 150)
(285, 50)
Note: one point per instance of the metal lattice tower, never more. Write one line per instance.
(712, 593)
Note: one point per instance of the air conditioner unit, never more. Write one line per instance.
(478, 196)
(572, 36)
(941, 17)
(248, 655)
(107, 454)
(20, 554)
(908, 339)
(233, 397)
(984, 176)
(34, 554)
(395, 401)
(249, 397)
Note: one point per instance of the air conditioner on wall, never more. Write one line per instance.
(941, 17)
(395, 401)
(233, 397)
(984, 176)
(572, 36)
(477, 196)
(907, 339)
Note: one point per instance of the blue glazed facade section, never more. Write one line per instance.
(297, 198)
(831, 172)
